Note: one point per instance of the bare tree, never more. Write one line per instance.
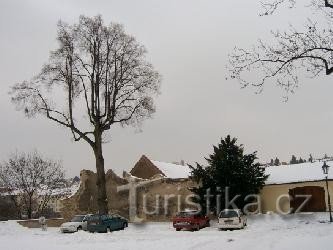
(292, 51)
(100, 72)
(29, 178)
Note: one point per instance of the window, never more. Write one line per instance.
(228, 214)
(77, 218)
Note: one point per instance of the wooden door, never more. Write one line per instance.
(316, 203)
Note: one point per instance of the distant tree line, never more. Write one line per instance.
(295, 160)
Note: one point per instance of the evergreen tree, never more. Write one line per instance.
(293, 160)
(310, 158)
(301, 160)
(228, 167)
(277, 162)
(272, 162)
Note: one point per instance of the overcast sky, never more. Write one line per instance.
(188, 43)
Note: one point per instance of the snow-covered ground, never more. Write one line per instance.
(264, 232)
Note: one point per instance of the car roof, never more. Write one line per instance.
(189, 211)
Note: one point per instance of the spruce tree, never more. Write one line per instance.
(277, 162)
(293, 160)
(272, 162)
(228, 167)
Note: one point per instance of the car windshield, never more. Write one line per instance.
(228, 214)
(78, 218)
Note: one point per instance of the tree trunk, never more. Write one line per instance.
(102, 202)
(30, 208)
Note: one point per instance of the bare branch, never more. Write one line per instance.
(280, 62)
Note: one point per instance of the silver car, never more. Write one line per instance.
(78, 222)
(232, 219)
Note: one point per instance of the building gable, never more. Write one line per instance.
(145, 169)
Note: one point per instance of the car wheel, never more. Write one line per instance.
(124, 226)
(79, 228)
(177, 229)
(196, 228)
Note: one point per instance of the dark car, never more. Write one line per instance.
(193, 220)
(106, 223)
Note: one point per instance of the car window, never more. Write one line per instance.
(228, 214)
(104, 217)
(86, 218)
(77, 218)
(93, 217)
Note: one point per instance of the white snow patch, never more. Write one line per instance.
(173, 171)
(297, 173)
(264, 232)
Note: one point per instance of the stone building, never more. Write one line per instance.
(162, 189)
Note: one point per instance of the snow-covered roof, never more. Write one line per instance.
(294, 173)
(297, 172)
(173, 171)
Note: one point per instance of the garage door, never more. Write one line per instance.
(316, 203)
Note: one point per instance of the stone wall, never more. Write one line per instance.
(162, 196)
(35, 223)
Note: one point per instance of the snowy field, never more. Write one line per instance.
(264, 232)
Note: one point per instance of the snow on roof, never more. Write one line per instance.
(294, 173)
(173, 171)
(297, 172)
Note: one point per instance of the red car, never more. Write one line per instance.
(193, 220)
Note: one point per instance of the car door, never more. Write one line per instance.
(242, 217)
(111, 223)
(105, 222)
(119, 222)
(202, 219)
(85, 222)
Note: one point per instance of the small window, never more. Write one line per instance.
(228, 214)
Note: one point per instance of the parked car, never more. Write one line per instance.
(193, 220)
(232, 219)
(78, 222)
(104, 223)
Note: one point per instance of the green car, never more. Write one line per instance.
(106, 223)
